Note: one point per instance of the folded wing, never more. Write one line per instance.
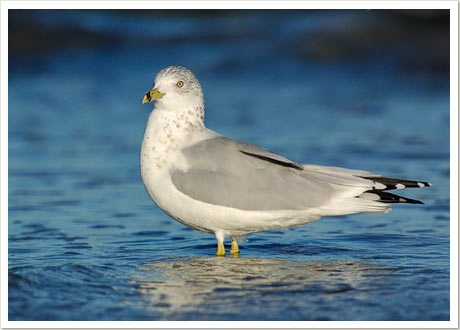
(236, 174)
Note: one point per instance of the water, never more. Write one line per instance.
(86, 242)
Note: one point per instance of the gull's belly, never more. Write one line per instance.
(210, 218)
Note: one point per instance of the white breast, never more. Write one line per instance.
(161, 149)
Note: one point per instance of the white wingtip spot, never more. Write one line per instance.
(380, 186)
(429, 184)
(402, 199)
(400, 186)
(421, 185)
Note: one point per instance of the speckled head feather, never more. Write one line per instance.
(174, 74)
(181, 93)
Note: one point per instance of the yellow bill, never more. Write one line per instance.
(152, 95)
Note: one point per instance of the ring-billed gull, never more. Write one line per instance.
(231, 188)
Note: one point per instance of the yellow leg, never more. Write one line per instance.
(220, 249)
(235, 249)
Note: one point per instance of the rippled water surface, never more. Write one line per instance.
(87, 243)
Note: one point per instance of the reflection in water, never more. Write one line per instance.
(229, 288)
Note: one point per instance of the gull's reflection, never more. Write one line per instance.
(233, 285)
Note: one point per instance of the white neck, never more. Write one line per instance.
(166, 132)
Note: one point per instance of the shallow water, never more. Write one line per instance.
(86, 242)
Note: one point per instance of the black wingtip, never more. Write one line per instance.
(386, 197)
(408, 201)
(397, 184)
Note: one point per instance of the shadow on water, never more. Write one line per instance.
(179, 288)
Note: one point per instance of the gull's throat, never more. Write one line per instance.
(167, 131)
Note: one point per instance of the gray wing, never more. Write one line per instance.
(231, 173)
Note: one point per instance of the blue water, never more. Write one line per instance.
(85, 242)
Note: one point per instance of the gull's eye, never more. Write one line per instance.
(180, 83)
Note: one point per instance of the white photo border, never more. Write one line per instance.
(451, 5)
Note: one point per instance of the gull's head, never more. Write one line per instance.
(175, 88)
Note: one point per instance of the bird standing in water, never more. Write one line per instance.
(230, 188)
